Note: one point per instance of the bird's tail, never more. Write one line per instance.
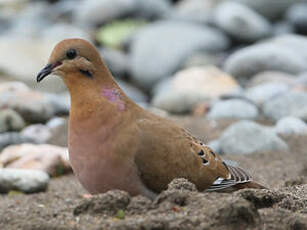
(250, 184)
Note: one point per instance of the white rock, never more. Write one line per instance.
(28, 181)
(291, 126)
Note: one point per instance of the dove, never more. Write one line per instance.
(116, 144)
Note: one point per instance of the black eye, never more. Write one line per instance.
(71, 54)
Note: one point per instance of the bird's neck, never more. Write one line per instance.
(98, 98)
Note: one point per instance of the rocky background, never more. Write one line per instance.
(233, 72)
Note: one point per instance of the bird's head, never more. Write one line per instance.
(74, 60)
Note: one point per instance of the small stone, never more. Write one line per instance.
(53, 160)
(10, 121)
(291, 126)
(150, 62)
(191, 87)
(297, 16)
(39, 133)
(241, 22)
(287, 104)
(233, 109)
(33, 106)
(215, 146)
(269, 56)
(13, 138)
(271, 77)
(264, 92)
(247, 137)
(28, 181)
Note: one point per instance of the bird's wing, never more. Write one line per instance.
(167, 151)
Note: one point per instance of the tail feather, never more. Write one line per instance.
(239, 179)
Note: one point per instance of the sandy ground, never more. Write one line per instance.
(284, 206)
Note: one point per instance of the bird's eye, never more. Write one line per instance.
(71, 54)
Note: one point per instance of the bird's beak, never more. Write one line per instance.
(46, 71)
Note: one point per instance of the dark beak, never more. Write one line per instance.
(46, 71)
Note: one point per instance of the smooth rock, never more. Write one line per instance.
(13, 138)
(39, 133)
(117, 61)
(132, 92)
(254, 59)
(271, 9)
(241, 22)
(151, 9)
(297, 16)
(92, 12)
(233, 109)
(22, 58)
(271, 77)
(158, 51)
(282, 28)
(196, 11)
(291, 126)
(33, 106)
(262, 93)
(59, 102)
(287, 104)
(51, 159)
(28, 181)
(215, 145)
(10, 121)
(247, 137)
(191, 87)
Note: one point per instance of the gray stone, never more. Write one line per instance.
(271, 77)
(161, 48)
(241, 22)
(297, 16)
(117, 61)
(38, 132)
(92, 12)
(151, 9)
(254, 59)
(282, 28)
(28, 181)
(215, 145)
(10, 121)
(262, 93)
(13, 138)
(233, 109)
(192, 86)
(132, 92)
(287, 104)
(60, 102)
(291, 126)
(247, 137)
(272, 9)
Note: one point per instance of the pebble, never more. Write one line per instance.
(247, 137)
(157, 50)
(271, 77)
(10, 121)
(233, 109)
(51, 159)
(33, 106)
(192, 86)
(297, 16)
(291, 126)
(247, 62)
(13, 138)
(287, 104)
(27, 181)
(39, 133)
(241, 22)
(264, 92)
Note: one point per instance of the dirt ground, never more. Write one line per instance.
(284, 206)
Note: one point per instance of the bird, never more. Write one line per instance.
(115, 144)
